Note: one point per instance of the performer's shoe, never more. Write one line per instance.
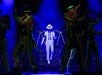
(99, 69)
(35, 70)
(61, 72)
(48, 61)
(16, 69)
(7, 70)
(82, 70)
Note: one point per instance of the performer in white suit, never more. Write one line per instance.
(50, 36)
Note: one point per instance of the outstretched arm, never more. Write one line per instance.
(95, 32)
(93, 22)
(80, 19)
(99, 33)
(42, 40)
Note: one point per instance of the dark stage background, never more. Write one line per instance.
(44, 12)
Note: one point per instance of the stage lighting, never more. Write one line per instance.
(8, 2)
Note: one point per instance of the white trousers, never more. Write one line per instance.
(49, 45)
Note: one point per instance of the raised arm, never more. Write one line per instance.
(27, 19)
(68, 18)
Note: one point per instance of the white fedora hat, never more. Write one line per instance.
(49, 26)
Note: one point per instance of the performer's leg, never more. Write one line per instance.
(4, 52)
(22, 57)
(15, 57)
(52, 50)
(65, 57)
(72, 54)
(48, 53)
(95, 48)
(80, 53)
(87, 61)
(28, 46)
(34, 43)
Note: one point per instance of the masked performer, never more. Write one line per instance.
(72, 38)
(4, 26)
(92, 46)
(24, 29)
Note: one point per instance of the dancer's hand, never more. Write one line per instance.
(72, 13)
(41, 43)
(42, 40)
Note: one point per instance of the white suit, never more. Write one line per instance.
(50, 36)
